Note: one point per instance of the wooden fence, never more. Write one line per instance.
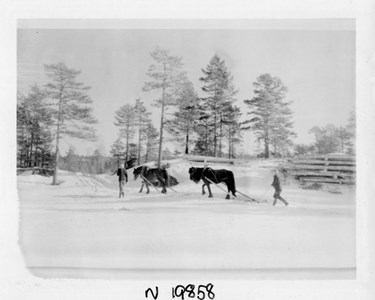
(208, 159)
(335, 169)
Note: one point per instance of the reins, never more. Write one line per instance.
(144, 178)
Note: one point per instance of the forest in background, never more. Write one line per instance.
(209, 125)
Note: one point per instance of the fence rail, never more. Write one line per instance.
(339, 169)
(209, 159)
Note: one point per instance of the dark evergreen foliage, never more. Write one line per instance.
(213, 111)
(270, 115)
(34, 140)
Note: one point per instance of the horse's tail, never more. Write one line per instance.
(172, 180)
(231, 183)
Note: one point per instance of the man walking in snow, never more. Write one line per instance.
(277, 186)
(122, 177)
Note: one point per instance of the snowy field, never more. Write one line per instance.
(81, 228)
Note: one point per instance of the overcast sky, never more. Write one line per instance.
(317, 64)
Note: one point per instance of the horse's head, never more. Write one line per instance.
(130, 163)
(193, 175)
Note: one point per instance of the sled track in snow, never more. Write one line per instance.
(89, 182)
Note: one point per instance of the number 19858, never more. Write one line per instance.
(189, 291)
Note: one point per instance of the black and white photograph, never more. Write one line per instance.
(204, 147)
(187, 149)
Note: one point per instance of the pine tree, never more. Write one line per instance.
(270, 113)
(182, 124)
(98, 162)
(125, 120)
(22, 135)
(166, 75)
(141, 119)
(203, 127)
(70, 105)
(151, 141)
(118, 150)
(218, 84)
(33, 125)
(281, 136)
(233, 132)
(71, 160)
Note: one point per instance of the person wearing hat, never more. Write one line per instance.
(277, 186)
(122, 177)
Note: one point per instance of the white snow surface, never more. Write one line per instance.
(82, 224)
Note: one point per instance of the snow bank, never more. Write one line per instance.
(81, 223)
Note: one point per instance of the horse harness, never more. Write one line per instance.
(213, 173)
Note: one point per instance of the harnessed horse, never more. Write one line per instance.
(209, 176)
(151, 175)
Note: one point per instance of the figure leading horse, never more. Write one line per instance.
(209, 176)
(150, 176)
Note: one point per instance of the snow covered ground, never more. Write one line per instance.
(83, 229)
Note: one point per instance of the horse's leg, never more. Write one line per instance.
(141, 187)
(209, 191)
(233, 184)
(203, 192)
(207, 183)
(163, 183)
(148, 190)
(228, 193)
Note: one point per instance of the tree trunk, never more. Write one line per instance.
(187, 140)
(56, 159)
(161, 132)
(30, 158)
(215, 137)
(266, 145)
(31, 150)
(54, 182)
(206, 142)
(161, 122)
(42, 156)
(127, 149)
(220, 134)
(146, 155)
(215, 118)
(229, 142)
(139, 143)
(266, 149)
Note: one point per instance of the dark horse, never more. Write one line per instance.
(150, 176)
(209, 176)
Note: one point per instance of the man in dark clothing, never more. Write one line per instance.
(122, 177)
(277, 186)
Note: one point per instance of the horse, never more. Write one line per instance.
(172, 181)
(209, 176)
(151, 175)
(130, 163)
